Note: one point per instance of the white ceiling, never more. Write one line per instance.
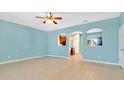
(69, 18)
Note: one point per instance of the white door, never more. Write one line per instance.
(76, 46)
(121, 46)
(76, 43)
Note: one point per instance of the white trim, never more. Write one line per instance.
(94, 30)
(75, 32)
(57, 56)
(95, 61)
(119, 42)
(121, 28)
(11, 61)
(102, 62)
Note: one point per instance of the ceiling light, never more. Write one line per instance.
(49, 21)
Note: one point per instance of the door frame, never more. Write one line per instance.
(120, 29)
(73, 33)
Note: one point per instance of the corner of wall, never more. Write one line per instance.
(121, 18)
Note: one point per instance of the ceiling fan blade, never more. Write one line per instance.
(57, 18)
(40, 17)
(54, 22)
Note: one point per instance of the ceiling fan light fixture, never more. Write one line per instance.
(49, 18)
(49, 21)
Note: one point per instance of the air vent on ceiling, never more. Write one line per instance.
(85, 21)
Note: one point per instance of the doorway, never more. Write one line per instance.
(121, 46)
(75, 42)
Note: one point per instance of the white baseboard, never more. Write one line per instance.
(87, 60)
(4, 62)
(103, 62)
(57, 56)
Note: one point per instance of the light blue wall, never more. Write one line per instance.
(122, 18)
(93, 35)
(18, 41)
(107, 53)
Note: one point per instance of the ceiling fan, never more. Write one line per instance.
(49, 18)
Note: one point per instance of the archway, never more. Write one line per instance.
(75, 43)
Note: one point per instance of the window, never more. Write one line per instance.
(94, 37)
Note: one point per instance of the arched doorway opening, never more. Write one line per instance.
(75, 43)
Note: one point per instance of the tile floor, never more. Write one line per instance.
(52, 68)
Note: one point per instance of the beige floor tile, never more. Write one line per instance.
(52, 68)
